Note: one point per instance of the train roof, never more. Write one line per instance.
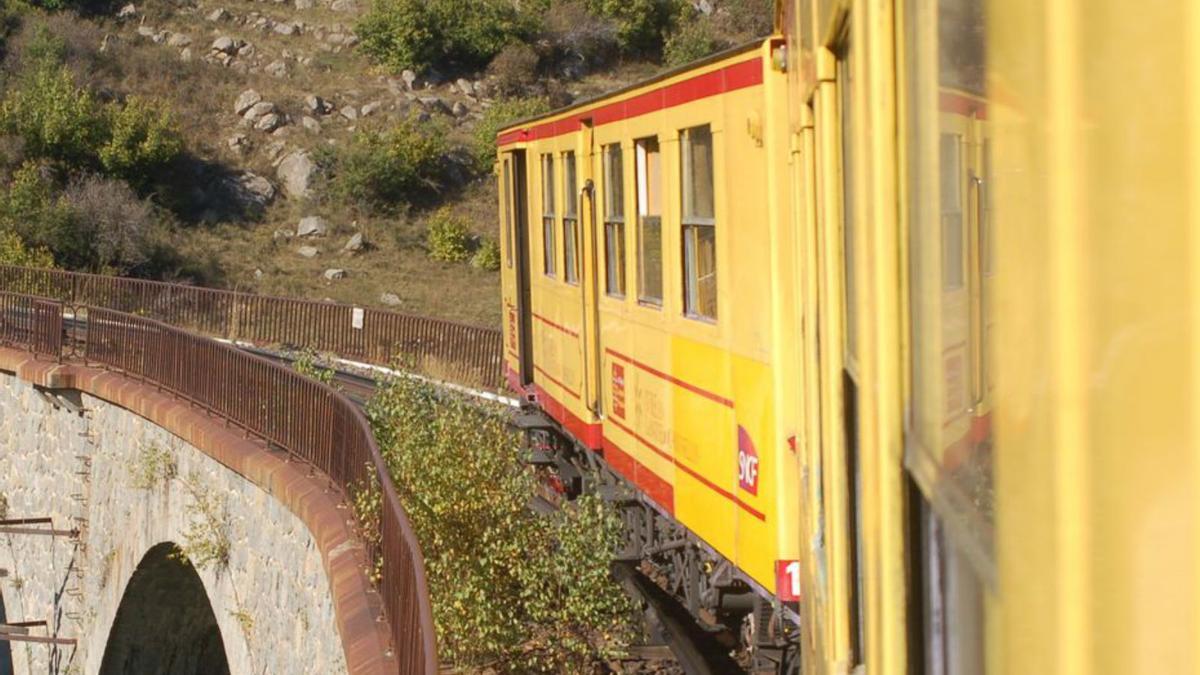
(583, 104)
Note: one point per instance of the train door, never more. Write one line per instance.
(590, 277)
(514, 175)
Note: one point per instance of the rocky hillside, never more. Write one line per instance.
(282, 154)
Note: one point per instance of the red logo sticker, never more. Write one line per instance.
(787, 580)
(747, 462)
(618, 390)
(512, 327)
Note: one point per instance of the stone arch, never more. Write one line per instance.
(165, 622)
(6, 663)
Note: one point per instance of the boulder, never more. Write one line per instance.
(269, 123)
(356, 244)
(258, 110)
(186, 55)
(246, 100)
(249, 190)
(258, 274)
(349, 112)
(238, 143)
(464, 85)
(282, 233)
(304, 4)
(310, 124)
(344, 6)
(332, 274)
(297, 173)
(312, 226)
(434, 104)
(459, 109)
(276, 69)
(225, 45)
(308, 251)
(390, 299)
(287, 28)
(317, 104)
(127, 12)
(371, 108)
(179, 41)
(146, 31)
(218, 14)
(410, 79)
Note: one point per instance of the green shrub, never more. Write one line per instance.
(142, 139)
(514, 69)
(419, 34)
(487, 257)
(641, 24)
(495, 118)
(511, 590)
(692, 41)
(13, 251)
(55, 119)
(448, 239)
(383, 169)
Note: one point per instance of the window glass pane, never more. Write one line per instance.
(649, 194)
(700, 270)
(548, 185)
(571, 250)
(845, 88)
(508, 215)
(548, 242)
(614, 247)
(698, 175)
(614, 184)
(949, 435)
(570, 188)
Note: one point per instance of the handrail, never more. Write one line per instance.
(447, 350)
(311, 421)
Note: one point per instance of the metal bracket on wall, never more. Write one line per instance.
(23, 526)
(18, 631)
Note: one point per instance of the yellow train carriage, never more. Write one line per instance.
(996, 221)
(647, 284)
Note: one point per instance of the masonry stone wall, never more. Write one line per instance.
(102, 471)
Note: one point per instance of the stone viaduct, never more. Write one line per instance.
(183, 547)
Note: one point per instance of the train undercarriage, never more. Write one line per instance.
(711, 615)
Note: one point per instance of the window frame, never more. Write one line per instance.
(549, 220)
(691, 227)
(570, 218)
(643, 183)
(614, 223)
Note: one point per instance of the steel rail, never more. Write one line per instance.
(310, 421)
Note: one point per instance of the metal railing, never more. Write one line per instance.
(445, 350)
(309, 420)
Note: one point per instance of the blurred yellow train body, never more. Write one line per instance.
(897, 311)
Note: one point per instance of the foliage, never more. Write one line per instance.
(640, 23)
(29, 210)
(495, 118)
(108, 227)
(419, 34)
(511, 589)
(3, 506)
(206, 541)
(692, 41)
(487, 257)
(154, 465)
(142, 139)
(308, 365)
(382, 169)
(55, 119)
(13, 251)
(514, 69)
(448, 239)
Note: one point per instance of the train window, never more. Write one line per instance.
(548, 219)
(948, 439)
(699, 224)
(950, 188)
(845, 88)
(507, 206)
(649, 204)
(570, 220)
(614, 221)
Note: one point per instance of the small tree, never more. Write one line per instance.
(448, 239)
(55, 119)
(383, 169)
(142, 139)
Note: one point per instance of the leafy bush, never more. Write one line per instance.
(487, 257)
(581, 40)
(142, 139)
(495, 118)
(641, 24)
(13, 251)
(419, 34)
(511, 589)
(449, 240)
(382, 169)
(692, 41)
(514, 69)
(54, 118)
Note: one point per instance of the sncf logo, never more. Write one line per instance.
(747, 462)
